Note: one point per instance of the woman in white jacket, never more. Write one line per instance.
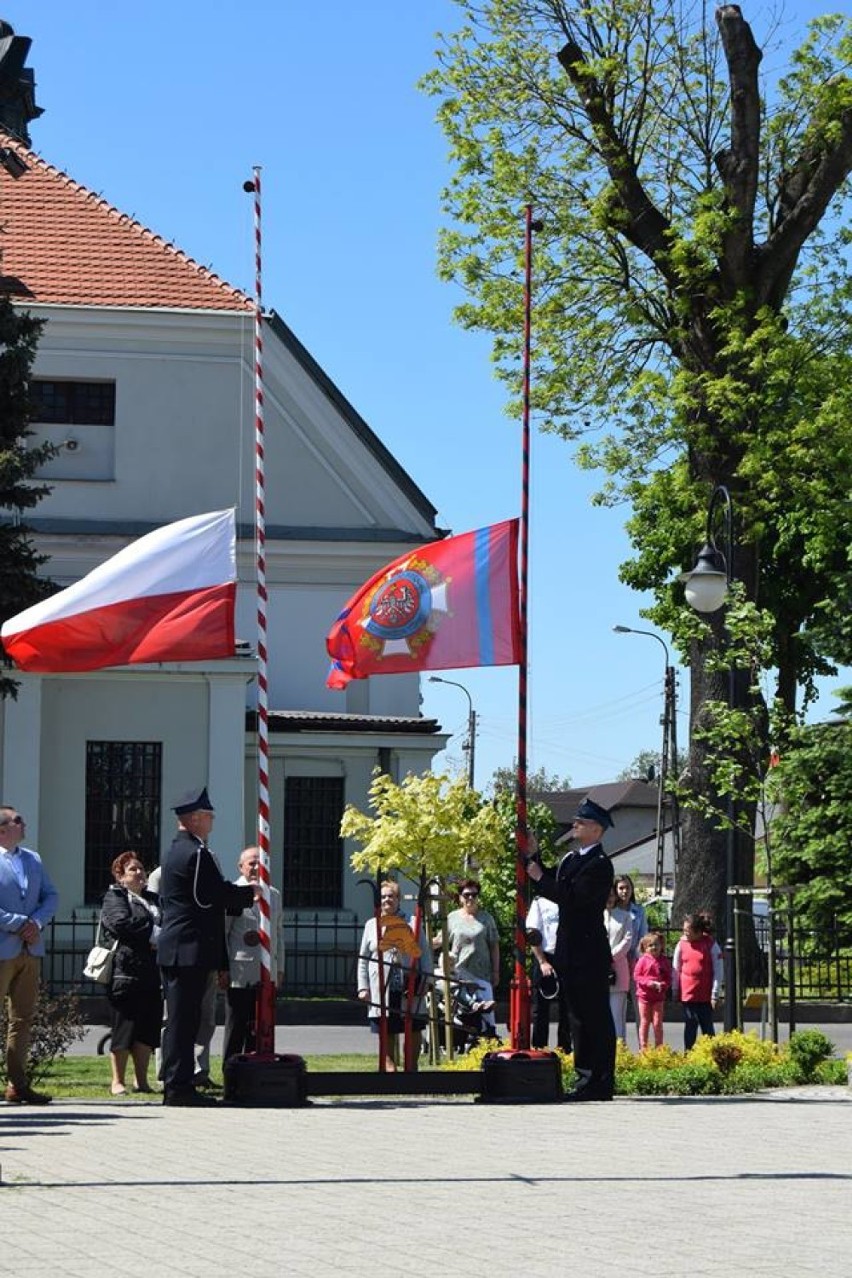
(619, 930)
(400, 951)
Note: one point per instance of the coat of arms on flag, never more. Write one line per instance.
(449, 604)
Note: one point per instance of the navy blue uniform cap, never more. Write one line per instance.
(193, 801)
(591, 811)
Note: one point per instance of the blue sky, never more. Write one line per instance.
(164, 108)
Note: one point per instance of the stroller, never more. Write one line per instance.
(472, 1016)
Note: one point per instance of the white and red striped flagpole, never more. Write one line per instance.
(265, 1031)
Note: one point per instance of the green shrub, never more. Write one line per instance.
(56, 1025)
(645, 1082)
(749, 1076)
(727, 1064)
(694, 1078)
(807, 1048)
(831, 1073)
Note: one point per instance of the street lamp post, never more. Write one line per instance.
(471, 726)
(668, 758)
(706, 589)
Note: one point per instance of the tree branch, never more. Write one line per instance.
(806, 192)
(645, 226)
(739, 164)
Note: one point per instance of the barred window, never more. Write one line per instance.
(72, 403)
(313, 848)
(123, 797)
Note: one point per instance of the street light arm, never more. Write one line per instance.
(452, 683)
(471, 726)
(721, 494)
(631, 630)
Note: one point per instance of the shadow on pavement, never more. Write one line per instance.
(364, 1181)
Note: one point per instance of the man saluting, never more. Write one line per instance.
(581, 887)
(194, 898)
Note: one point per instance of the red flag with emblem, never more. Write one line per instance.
(443, 606)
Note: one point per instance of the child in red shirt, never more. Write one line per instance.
(697, 976)
(653, 979)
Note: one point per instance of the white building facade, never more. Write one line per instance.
(144, 379)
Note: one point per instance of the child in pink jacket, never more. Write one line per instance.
(653, 979)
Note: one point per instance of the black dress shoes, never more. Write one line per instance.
(202, 1082)
(588, 1094)
(188, 1097)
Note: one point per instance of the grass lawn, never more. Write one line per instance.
(88, 1077)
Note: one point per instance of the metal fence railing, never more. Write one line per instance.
(321, 955)
(815, 965)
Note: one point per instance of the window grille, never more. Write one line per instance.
(72, 403)
(123, 799)
(313, 848)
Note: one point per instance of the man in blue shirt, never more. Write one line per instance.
(28, 902)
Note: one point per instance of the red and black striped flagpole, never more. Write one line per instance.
(265, 1031)
(519, 1001)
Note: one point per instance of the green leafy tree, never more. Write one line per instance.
(693, 291)
(844, 696)
(812, 835)
(20, 585)
(646, 765)
(538, 781)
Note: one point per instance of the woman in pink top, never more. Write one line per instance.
(653, 978)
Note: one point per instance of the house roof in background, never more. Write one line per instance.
(63, 244)
(611, 795)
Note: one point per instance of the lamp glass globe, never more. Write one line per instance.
(706, 591)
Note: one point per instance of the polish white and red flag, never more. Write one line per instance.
(168, 596)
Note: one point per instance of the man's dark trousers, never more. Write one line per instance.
(240, 1017)
(184, 989)
(593, 1030)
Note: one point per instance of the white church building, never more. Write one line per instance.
(144, 379)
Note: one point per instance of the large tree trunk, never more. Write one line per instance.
(701, 874)
(704, 873)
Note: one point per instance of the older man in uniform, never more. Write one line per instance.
(194, 898)
(581, 887)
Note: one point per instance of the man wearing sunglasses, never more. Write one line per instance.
(28, 902)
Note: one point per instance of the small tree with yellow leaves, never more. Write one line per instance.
(427, 827)
(425, 824)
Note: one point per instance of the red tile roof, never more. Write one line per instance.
(61, 243)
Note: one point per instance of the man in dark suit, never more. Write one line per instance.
(194, 898)
(581, 887)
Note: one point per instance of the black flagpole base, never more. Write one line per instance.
(521, 1077)
(269, 1081)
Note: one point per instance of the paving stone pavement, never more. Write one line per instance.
(678, 1186)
